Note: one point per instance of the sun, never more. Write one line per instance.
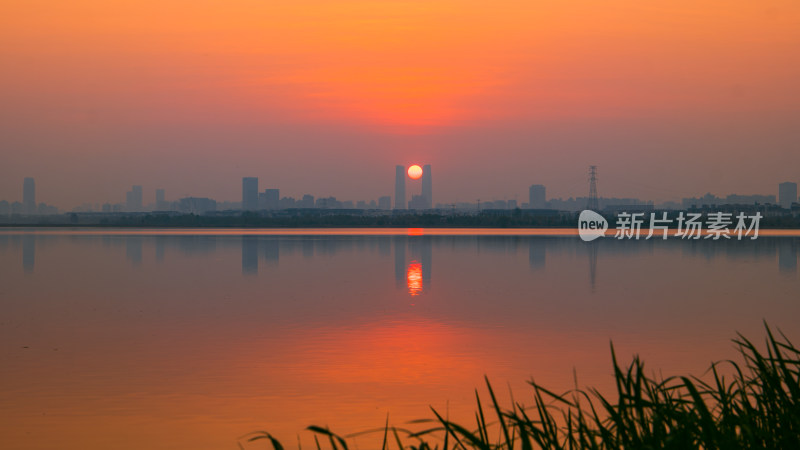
(415, 172)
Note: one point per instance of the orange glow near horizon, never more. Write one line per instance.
(314, 94)
(415, 172)
(411, 65)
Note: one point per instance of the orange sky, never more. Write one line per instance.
(190, 95)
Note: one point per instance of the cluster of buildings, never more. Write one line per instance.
(270, 199)
(134, 202)
(422, 201)
(28, 206)
(421, 181)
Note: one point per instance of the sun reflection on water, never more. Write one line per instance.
(414, 278)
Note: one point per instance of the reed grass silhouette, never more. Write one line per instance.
(755, 407)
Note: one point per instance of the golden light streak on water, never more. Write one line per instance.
(414, 278)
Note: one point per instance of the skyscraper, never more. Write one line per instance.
(249, 193)
(161, 203)
(537, 198)
(137, 197)
(29, 196)
(133, 199)
(400, 188)
(272, 198)
(787, 194)
(427, 186)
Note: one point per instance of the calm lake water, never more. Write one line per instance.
(191, 339)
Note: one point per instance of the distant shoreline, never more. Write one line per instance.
(288, 219)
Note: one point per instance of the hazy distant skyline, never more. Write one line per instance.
(668, 99)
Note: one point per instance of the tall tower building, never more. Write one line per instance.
(133, 199)
(594, 202)
(427, 186)
(161, 203)
(400, 188)
(250, 193)
(137, 197)
(29, 196)
(787, 194)
(536, 197)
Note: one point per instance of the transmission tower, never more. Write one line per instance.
(593, 204)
